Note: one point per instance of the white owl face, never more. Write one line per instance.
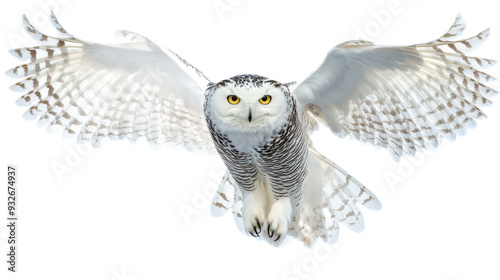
(249, 107)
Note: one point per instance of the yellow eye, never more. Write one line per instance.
(265, 100)
(233, 99)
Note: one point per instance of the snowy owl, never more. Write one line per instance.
(277, 185)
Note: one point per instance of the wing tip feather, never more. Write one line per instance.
(17, 54)
(16, 88)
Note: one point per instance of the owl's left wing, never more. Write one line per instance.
(128, 90)
(400, 98)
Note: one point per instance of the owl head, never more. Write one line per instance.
(248, 104)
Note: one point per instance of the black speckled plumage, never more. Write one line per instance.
(281, 160)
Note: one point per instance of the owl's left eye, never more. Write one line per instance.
(265, 100)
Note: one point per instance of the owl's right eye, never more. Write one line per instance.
(233, 99)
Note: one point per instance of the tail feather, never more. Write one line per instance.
(350, 185)
(223, 199)
(228, 196)
(330, 197)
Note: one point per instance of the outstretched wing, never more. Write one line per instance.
(126, 90)
(400, 98)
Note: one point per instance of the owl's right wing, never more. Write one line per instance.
(125, 90)
(403, 98)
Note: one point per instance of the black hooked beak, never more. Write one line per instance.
(249, 115)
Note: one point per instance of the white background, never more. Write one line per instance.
(116, 214)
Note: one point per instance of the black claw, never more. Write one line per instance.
(277, 238)
(255, 230)
(257, 221)
(269, 233)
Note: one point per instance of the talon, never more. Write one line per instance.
(252, 234)
(277, 238)
(269, 233)
(255, 230)
(260, 229)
